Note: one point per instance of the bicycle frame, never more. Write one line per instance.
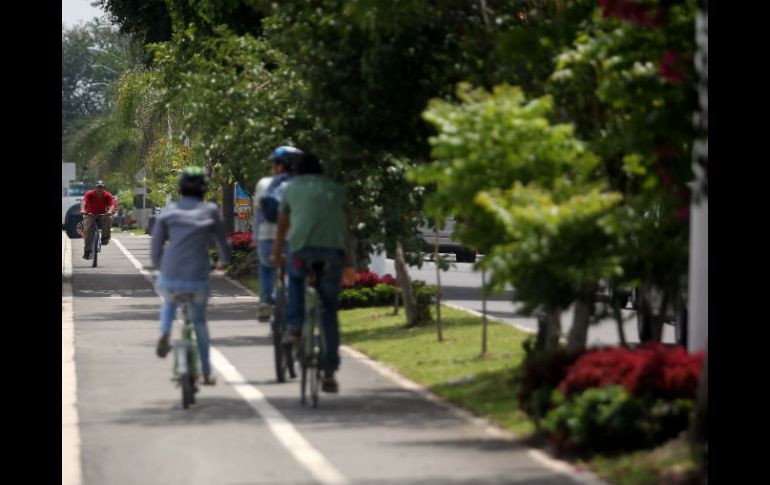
(185, 367)
(185, 352)
(97, 234)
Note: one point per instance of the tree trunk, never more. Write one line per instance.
(659, 319)
(578, 333)
(619, 322)
(228, 206)
(438, 284)
(483, 312)
(584, 309)
(405, 283)
(395, 303)
(552, 320)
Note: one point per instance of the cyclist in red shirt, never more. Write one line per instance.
(97, 203)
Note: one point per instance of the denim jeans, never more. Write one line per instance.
(196, 311)
(266, 270)
(328, 291)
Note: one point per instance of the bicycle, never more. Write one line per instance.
(312, 345)
(185, 354)
(96, 243)
(282, 352)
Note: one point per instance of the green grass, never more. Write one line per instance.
(417, 354)
(251, 283)
(646, 467)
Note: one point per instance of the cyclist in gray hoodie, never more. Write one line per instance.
(188, 225)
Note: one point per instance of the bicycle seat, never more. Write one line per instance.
(317, 265)
(183, 297)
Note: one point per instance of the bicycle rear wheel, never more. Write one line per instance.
(303, 383)
(315, 380)
(185, 381)
(192, 378)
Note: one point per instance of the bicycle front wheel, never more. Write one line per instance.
(95, 248)
(280, 350)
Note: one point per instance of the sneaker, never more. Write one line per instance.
(163, 347)
(105, 242)
(209, 380)
(291, 334)
(329, 383)
(87, 255)
(264, 312)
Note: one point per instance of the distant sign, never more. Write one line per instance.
(242, 200)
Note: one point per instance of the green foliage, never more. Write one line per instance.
(235, 99)
(537, 203)
(608, 418)
(630, 90)
(126, 198)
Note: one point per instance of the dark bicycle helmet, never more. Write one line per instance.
(193, 181)
(307, 163)
(283, 155)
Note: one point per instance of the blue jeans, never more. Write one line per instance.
(328, 291)
(266, 270)
(196, 311)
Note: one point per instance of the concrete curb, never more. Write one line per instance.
(66, 257)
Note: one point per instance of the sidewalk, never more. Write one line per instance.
(70, 433)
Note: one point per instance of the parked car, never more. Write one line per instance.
(446, 244)
(70, 208)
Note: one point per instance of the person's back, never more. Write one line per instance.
(190, 226)
(318, 213)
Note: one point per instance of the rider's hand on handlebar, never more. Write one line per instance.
(277, 259)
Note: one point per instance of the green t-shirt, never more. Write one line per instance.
(316, 205)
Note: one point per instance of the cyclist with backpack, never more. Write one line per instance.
(268, 194)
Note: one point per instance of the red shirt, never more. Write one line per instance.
(96, 204)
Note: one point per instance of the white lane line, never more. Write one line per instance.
(147, 275)
(70, 430)
(309, 457)
(282, 429)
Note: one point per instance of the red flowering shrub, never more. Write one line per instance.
(643, 14)
(672, 67)
(240, 240)
(652, 368)
(367, 279)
